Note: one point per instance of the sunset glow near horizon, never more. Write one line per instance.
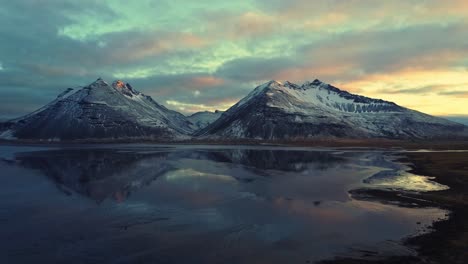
(206, 55)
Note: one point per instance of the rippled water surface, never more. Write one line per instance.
(155, 204)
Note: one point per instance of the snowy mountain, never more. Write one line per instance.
(99, 111)
(315, 109)
(203, 119)
(271, 111)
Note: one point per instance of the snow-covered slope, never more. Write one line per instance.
(315, 109)
(99, 111)
(203, 119)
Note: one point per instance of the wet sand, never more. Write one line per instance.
(448, 241)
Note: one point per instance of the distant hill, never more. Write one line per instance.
(203, 119)
(458, 119)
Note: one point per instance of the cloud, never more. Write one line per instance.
(418, 47)
(443, 89)
(253, 69)
(214, 52)
(421, 90)
(188, 92)
(365, 14)
(129, 47)
(352, 55)
(191, 108)
(206, 81)
(176, 83)
(455, 93)
(234, 26)
(22, 100)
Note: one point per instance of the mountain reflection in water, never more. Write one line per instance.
(200, 205)
(103, 173)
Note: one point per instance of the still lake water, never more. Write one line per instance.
(201, 204)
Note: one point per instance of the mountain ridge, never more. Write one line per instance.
(100, 110)
(271, 111)
(277, 111)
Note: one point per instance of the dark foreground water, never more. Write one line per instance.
(155, 204)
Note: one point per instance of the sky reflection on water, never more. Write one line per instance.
(169, 205)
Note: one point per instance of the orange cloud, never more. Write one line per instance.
(363, 15)
(192, 41)
(452, 7)
(364, 9)
(237, 26)
(251, 23)
(206, 81)
(326, 20)
(152, 44)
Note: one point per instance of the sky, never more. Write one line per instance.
(207, 54)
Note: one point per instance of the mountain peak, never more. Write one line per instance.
(272, 82)
(269, 84)
(100, 110)
(124, 88)
(118, 84)
(315, 82)
(98, 83)
(275, 111)
(291, 85)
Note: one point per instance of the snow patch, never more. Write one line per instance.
(8, 135)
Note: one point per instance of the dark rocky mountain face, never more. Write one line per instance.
(318, 110)
(100, 111)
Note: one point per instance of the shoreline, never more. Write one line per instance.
(448, 240)
(386, 144)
